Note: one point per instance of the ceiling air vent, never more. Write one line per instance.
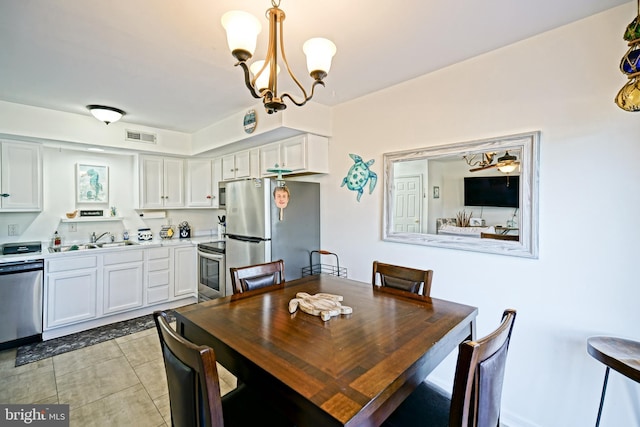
(135, 136)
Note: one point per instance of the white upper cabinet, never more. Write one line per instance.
(21, 177)
(161, 182)
(301, 154)
(236, 165)
(200, 191)
(217, 177)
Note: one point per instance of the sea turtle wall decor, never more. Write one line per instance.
(358, 175)
(320, 304)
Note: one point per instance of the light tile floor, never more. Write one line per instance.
(121, 382)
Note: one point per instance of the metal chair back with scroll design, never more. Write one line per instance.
(252, 277)
(402, 278)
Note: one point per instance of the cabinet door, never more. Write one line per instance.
(71, 296)
(243, 164)
(185, 271)
(173, 183)
(159, 274)
(199, 183)
(217, 177)
(294, 154)
(123, 287)
(269, 157)
(21, 177)
(151, 182)
(229, 167)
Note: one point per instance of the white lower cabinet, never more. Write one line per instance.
(185, 271)
(71, 290)
(84, 291)
(159, 275)
(122, 281)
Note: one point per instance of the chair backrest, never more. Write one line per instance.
(257, 276)
(192, 377)
(403, 278)
(477, 386)
(512, 237)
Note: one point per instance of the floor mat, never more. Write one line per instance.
(37, 351)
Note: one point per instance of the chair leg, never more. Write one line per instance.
(604, 390)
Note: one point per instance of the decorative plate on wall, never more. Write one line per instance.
(250, 121)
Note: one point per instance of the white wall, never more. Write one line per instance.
(56, 126)
(584, 282)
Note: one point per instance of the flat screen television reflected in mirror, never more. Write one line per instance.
(492, 191)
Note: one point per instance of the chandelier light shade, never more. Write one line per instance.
(261, 77)
(106, 114)
(628, 98)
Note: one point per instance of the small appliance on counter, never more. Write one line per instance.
(184, 230)
(166, 232)
(144, 234)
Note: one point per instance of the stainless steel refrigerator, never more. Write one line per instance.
(259, 231)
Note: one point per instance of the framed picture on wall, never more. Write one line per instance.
(92, 184)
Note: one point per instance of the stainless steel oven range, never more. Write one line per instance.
(211, 270)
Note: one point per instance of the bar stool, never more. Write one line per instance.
(617, 353)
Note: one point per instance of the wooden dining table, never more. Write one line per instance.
(352, 370)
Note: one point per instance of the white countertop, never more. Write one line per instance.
(139, 244)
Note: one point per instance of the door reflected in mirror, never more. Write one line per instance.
(479, 195)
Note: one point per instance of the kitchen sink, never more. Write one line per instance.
(116, 244)
(71, 248)
(85, 246)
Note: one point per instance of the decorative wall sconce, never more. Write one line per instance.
(628, 97)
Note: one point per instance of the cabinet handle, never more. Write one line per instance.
(5, 195)
(209, 196)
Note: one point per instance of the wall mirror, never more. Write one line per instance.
(478, 196)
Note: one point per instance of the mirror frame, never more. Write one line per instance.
(527, 246)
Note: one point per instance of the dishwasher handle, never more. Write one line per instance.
(21, 266)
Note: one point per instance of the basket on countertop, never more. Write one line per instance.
(320, 268)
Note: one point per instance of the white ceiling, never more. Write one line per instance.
(166, 62)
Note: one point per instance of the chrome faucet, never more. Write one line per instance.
(95, 239)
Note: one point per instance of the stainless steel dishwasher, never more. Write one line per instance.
(21, 288)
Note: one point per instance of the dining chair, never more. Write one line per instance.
(403, 278)
(477, 387)
(252, 277)
(194, 387)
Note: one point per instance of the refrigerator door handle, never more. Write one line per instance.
(245, 238)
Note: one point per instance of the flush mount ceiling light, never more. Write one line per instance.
(106, 114)
(628, 97)
(261, 77)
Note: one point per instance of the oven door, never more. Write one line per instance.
(211, 276)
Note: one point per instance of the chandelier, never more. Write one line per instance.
(628, 98)
(261, 77)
